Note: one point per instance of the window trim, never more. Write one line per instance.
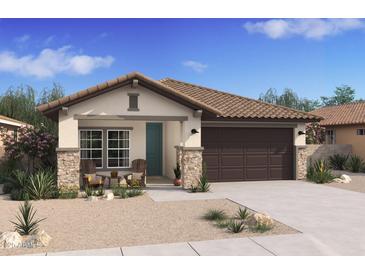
(107, 147)
(102, 145)
(333, 136)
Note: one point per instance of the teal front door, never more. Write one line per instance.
(154, 149)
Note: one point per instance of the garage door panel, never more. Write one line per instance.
(239, 154)
(231, 160)
(232, 174)
(256, 173)
(256, 160)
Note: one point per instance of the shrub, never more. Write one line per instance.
(261, 227)
(194, 189)
(338, 161)
(319, 172)
(242, 214)
(26, 224)
(215, 215)
(355, 163)
(203, 185)
(222, 223)
(121, 192)
(235, 226)
(7, 187)
(88, 191)
(177, 171)
(68, 191)
(134, 192)
(19, 195)
(41, 185)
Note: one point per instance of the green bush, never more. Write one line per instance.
(7, 187)
(134, 192)
(68, 192)
(121, 192)
(355, 163)
(215, 215)
(338, 161)
(19, 195)
(242, 214)
(262, 227)
(42, 185)
(319, 172)
(26, 224)
(235, 226)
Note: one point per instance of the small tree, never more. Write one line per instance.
(315, 134)
(29, 143)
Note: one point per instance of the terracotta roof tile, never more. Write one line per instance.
(234, 106)
(348, 114)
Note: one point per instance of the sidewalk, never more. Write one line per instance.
(279, 245)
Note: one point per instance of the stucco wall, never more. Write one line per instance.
(299, 140)
(347, 135)
(116, 103)
(316, 152)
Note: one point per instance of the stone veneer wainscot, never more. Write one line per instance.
(191, 162)
(68, 166)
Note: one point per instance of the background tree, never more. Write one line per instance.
(343, 95)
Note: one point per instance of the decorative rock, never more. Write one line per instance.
(10, 240)
(260, 219)
(39, 239)
(92, 198)
(109, 196)
(344, 179)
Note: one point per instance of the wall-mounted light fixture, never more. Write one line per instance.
(300, 132)
(194, 131)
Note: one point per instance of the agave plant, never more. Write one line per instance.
(338, 161)
(319, 172)
(26, 224)
(203, 184)
(215, 215)
(41, 185)
(242, 214)
(235, 226)
(355, 163)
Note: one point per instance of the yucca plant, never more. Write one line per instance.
(41, 185)
(338, 161)
(355, 163)
(215, 215)
(319, 172)
(26, 224)
(242, 214)
(203, 184)
(235, 226)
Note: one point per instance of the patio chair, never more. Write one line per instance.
(89, 176)
(138, 174)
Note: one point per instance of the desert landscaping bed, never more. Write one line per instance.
(79, 224)
(357, 181)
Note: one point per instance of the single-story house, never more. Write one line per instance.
(11, 126)
(345, 124)
(168, 121)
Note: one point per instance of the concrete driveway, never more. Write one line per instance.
(332, 220)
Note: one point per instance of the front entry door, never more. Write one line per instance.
(154, 149)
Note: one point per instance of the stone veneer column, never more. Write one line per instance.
(301, 162)
(68, 166)
(191, 161)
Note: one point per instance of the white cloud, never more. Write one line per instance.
(308, 28)
(50, 62)
(22, 39)
(195, 66)
(49, 40)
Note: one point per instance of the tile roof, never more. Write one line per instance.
(234, 106)
(348, 114)
(220, 103)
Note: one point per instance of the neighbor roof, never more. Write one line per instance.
(221, 104)
(348, 114)
(10, 121)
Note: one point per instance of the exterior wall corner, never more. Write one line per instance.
(68, 167)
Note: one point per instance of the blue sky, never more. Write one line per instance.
(242, 56)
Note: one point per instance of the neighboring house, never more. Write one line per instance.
(167, 121)
(11, 126)
(345, 124)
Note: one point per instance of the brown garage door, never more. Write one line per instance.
(247, 154)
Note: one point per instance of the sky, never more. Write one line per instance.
(241, 56)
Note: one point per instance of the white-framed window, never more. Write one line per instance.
(330, 136)
(118, 147)
(360, 131)
(91, 145)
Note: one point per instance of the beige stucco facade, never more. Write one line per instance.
(348, 135)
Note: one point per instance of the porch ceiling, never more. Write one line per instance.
(129, 117)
